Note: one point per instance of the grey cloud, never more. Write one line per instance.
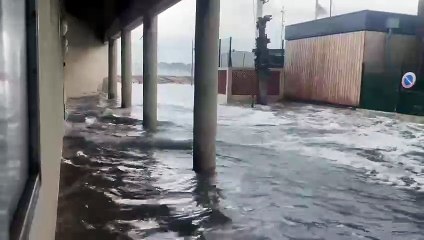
(176, 25)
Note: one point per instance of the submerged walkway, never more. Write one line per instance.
(108, 158)
(287, 172)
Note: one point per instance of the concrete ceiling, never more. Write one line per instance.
(108, 17)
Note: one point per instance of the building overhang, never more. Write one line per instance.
(108, 17)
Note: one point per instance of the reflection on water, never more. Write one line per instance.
(287, 172)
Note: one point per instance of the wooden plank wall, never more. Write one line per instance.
(325, 69)
(404, 50)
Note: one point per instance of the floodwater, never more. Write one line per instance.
(289, 171)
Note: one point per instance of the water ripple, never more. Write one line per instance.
(292, 171)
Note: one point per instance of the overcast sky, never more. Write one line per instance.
(176, 25)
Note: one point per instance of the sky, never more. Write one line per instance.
(177, 24)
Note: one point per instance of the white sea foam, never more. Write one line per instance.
(387, 149)
(141, 225)
(81, 154)
(67, 161)
(90, 120)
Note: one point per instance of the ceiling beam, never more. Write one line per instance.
(132, 16)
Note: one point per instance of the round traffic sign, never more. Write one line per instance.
(408, 80)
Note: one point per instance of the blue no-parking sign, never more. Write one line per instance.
(408, 80)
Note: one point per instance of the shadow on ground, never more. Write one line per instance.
(109, 188)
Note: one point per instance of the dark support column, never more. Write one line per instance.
(112, 69)
(150, 75)
(205, 85)
(126, 81)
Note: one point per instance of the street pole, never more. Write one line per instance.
(259, 8)
(282, 27)
(262, 54)
(316, 9)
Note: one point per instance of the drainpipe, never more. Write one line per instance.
(420, 35)
(391, 24)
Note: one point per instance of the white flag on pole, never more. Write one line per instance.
(319, 10)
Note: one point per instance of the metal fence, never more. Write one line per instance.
(225, 49)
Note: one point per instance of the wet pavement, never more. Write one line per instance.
(290, 171)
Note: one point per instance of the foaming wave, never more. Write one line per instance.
(388, 150)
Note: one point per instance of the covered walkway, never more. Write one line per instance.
(118, 19)
(291, 171)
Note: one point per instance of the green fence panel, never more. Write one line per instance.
(380, 88)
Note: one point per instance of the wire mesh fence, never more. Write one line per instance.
(225, 49)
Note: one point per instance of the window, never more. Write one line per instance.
(19, 157)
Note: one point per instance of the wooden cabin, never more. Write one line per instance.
(356, 59)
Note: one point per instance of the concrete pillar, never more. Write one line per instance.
(126, 62)
(150, 75)
(112, 92)
(205, 85)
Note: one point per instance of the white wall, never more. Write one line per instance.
(51, 119)
(86, 60)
